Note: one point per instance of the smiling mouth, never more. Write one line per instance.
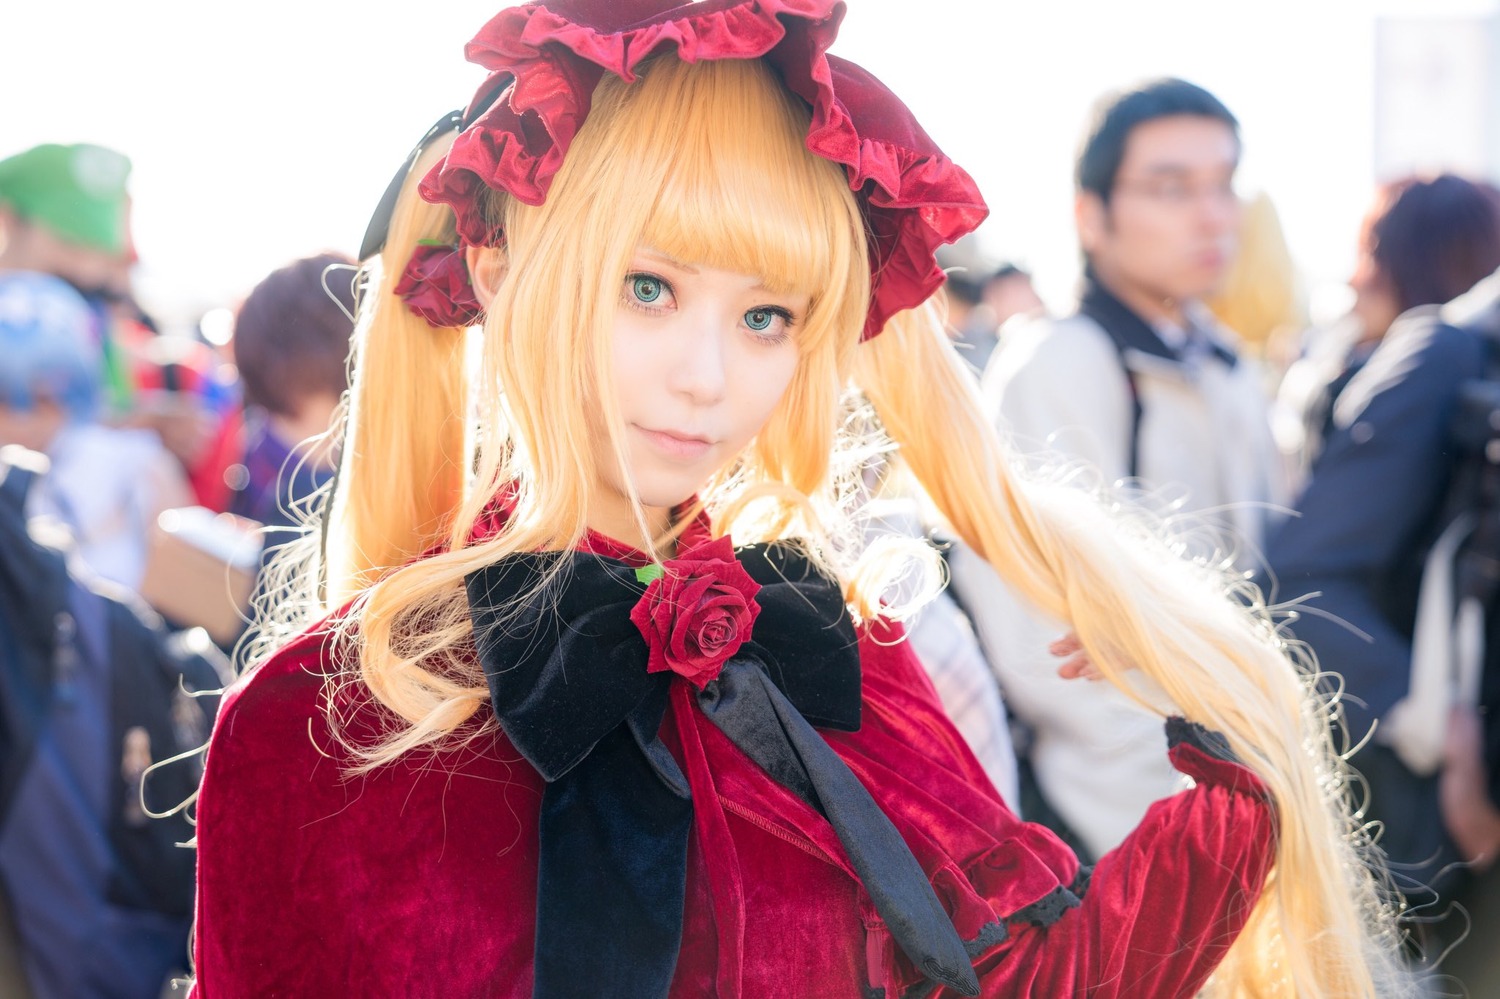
(674, 444)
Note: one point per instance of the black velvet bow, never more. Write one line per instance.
(567, 675)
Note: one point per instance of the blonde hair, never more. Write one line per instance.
(706, 163)
(1261, 298)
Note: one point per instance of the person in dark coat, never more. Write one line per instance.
(1374, 499)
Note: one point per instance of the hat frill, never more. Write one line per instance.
(552, 56)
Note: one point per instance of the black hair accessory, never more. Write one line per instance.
(380, 222)
(454, 121)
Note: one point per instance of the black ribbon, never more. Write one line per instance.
(567, 675)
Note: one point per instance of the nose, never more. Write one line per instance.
(1219, 210)
(699, 370)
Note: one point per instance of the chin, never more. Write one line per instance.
(1206, 282)
(665, 496)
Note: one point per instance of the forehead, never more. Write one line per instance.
(1179, 144)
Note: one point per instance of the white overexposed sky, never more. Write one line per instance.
(268, 131)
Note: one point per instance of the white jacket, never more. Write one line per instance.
(1057, 387)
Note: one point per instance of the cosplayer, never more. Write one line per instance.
(557, 735)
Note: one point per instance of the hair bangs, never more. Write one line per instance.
(740, 191)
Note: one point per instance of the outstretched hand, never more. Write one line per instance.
(1078, 665)
(1472, 819)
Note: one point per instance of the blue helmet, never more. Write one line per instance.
(49, 346)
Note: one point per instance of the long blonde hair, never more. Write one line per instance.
(706, 162)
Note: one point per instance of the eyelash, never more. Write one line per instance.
(787, 322)
(649, 308)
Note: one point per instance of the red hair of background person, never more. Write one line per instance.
(1434, 239)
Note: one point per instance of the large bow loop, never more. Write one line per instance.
(554, 631)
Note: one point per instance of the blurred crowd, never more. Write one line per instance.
(1348, 471)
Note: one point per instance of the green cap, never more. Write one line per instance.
(77, 191)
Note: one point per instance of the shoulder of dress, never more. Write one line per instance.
(889, 665)
(880, 639)
(286, 694)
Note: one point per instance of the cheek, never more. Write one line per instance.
(760, 384)
(633, 366)
(1364, 278)
(1134, 237)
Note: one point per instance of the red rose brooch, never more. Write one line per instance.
(697, 611)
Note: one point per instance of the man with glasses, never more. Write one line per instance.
(1142, 388)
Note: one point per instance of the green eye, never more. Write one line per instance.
(759, 320)
(645, 289)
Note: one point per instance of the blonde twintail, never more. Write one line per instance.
(402, 469)
(1323, 926)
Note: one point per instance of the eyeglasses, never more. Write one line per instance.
(1173, 192)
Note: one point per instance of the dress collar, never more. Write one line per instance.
(497, 512)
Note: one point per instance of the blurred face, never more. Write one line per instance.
(32, 247)
(33, 428)
(701, 358)
(1012, 295)
(1170, 227)
(1375, 302)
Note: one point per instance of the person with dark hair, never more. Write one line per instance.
(1423, 242)
(982, 296)
(1369, 516)
(1139, 383)
(1006, 294)
(291, 344)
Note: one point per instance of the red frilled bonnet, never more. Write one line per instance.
(547, 57)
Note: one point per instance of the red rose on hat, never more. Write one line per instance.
(698, 612)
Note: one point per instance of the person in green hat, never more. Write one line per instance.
(64, 210)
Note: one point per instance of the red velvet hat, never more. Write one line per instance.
(545, 59)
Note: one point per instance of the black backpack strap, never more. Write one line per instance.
(154, 717)
(19, 473)
(1136, 410)
(1105, 319)
(1475, 488)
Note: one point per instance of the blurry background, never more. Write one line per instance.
(268, 131)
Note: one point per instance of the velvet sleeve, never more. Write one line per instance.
(1153, 918)
(1160, 911)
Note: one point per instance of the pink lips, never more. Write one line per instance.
(676, 445)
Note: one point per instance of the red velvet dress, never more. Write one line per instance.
(420, 878)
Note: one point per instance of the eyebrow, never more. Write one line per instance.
(663, 258)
